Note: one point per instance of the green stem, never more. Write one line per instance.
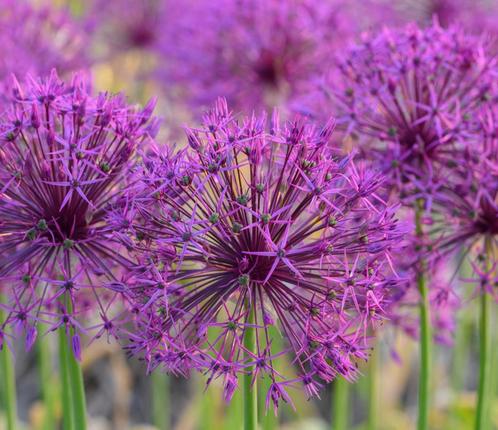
(78, 389)
(46, 381)
(250, 392)
(484, 355)
(269, 419)
(373, 395)
(340, 406)
(67, 397)
(160, 400)
(233, 420)
(9, 384)
(425, 336)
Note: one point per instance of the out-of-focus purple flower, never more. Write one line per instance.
(260, 218)
(443, 298)
(35, 39)
(256, 53)
(65, 163)
(410, 98)
(465, 207)
(127, 24)
(475, 15)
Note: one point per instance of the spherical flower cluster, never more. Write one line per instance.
(255, 53)
(35, 39)
(410, 97)
(127, 24)
(465, 207)
(65, 160)
(259, 230)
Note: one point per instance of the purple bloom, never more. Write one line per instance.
(256, 53)
(127, 24)
(475, 15)
(37, 39)
(466, 208)
(410, 98)
(65, 162)
(258, 217)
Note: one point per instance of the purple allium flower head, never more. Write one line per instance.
(410, 98)
(260, 218)
(127, 24)
(466, 205)
(35, 39)
(65, 162)
(257, 53)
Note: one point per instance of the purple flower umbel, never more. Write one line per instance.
(65, 160)
(410, 98)
(35, 39)
(263, 219)
(466, 206)
(257, 53)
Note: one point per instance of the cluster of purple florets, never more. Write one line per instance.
(260, 226)
(256, 229)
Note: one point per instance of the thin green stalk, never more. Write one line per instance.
(269, 420)
(481, 422)
(77, 387)
(425, 336)
(373, 395)
(207, 415)
(233, 415)
(160, 400)
(340, 404)
(67, 396)
(250, 392)
(46, 381)
(9, 384)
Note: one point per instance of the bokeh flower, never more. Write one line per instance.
(255, 53)
(476, 16)
(410, 98)
(37, 38)
(465, 206)
(65, 163)
(126, 24)
(259, 227)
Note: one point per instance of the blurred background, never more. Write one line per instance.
(135, 47)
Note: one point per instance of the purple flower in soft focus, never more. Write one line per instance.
(65, 163)
(466, 206)
(409, 98)
(259, 217)
(256, 53)
(443, 298)
(477, 16)
(36, 39)
(127, 24)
